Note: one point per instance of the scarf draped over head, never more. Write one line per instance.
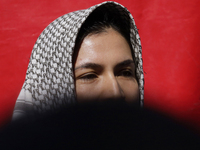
(49, 82)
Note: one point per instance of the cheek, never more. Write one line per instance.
(86, 92)
(130, 90)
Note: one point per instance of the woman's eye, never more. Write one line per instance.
(126, 73)
(88, 77)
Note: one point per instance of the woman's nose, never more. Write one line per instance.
(112, 89)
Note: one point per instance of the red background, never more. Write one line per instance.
(170, 36)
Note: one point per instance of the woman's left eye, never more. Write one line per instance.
(126, 73)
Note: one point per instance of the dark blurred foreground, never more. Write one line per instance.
(98, 126)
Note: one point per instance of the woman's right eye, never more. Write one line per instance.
(88, 77)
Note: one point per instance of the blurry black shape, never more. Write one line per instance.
(99, 126)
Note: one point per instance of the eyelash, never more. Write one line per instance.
(126, 73)
(89, 76)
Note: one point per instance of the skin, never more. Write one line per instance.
(104, 69)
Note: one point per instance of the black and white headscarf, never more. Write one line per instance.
(49, 81)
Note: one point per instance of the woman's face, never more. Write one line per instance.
(104, 69)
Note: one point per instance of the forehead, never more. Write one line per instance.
(104, 48)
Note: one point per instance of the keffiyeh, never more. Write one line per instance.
(49, 82)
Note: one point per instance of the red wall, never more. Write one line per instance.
(170, 36)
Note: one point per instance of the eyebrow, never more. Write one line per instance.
(124, 63)
(94, 65)
(89, 65)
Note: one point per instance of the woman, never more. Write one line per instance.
(86, 55)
